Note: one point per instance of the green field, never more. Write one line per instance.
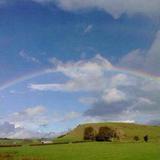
(85, 151)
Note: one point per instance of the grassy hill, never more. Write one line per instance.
(130, 130)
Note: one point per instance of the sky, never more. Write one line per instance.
(68, 62)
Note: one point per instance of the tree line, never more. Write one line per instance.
(106, 134)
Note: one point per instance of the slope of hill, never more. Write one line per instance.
(130, 130)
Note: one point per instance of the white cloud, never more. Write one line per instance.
(55, 87)
(79, 73)
(145, 105)
(88, 28)
(122, 79)
(114, 7)
(152, 86)
(88, 100)
(29, 123)
(35, 118)
(30, 111)
(86, 75)
(66, 117)
(5, 128)
(9, 130)
(35, 111)
(113, 95)
(144, 60)
(145, 101)
(30, 118)
(28, 58)
(96, 119)
(70, 116)
(126, 121)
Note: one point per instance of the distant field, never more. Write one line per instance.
(17, 141)
(85, 151)
(130, 131)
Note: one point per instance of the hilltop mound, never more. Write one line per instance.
(126, 131)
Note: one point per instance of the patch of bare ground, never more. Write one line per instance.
(6, 156)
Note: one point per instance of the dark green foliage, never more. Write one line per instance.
(89, 133)
(136, 138)
(105, 134)
(10, 145)
(146, 138)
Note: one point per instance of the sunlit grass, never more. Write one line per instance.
(85, 151)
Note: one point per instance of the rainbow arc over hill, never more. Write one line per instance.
(136, 73)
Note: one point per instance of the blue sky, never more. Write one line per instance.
(61, 64)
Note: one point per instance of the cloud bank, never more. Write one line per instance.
(9, 130)
(114, 7)
(144, 60)
(80, 73)
(31, 122)
(115, 95)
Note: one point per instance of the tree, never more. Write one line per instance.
(89, 133)
(146, 138)
(105, 134)
(136, 138)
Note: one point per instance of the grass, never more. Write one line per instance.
(85, 151)
(130, 131)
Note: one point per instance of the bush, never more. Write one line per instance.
(105, 134)
(11, 145)
(146, 138)
(136, 138)
(89, 133)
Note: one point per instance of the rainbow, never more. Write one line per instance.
(24, 78)
(136, 73)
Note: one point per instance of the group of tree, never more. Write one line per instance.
(145, 138)
(104, 134)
